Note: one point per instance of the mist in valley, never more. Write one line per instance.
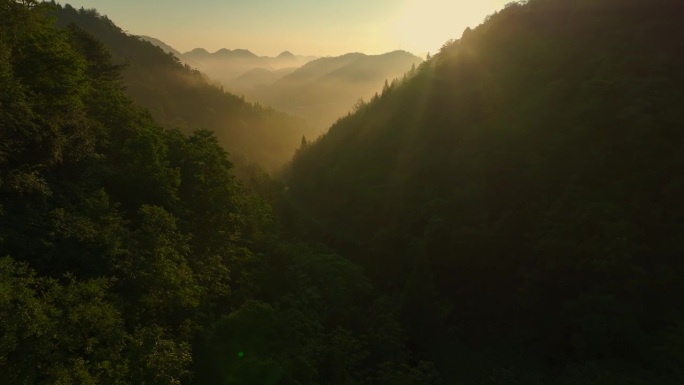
(396, 192)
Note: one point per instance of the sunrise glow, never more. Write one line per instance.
(425, 25)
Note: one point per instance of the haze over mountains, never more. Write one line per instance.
(225, 65)
(326, 89)
(165, 47)
(508, 213)
(238, 68)
(178, 96)
(319, 89)
(315, 91)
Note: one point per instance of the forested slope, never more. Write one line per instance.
(519, 196)
(324, 89)
(179, 96)
(508, 214)
(129, 254)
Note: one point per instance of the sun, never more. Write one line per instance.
(425, 25)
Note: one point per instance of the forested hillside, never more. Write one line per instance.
(165, 47)
(179, 96)
(327, 88)
(129, 254)
(519, 196)
(509, 213)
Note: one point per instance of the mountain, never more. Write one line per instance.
(317, 89)
(260, 77)
(305, 58)
(321, 67)
(225, 53)
(132, 255)
(167, 48)
(225, 65)
(519, 196)
(288, 59)
(286, 55)
(197, 53)
(509, 213)
(178, 96)
(327, 88)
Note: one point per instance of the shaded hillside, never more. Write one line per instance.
(327, 88)
(178, 96)
(520, 196)
(165, 47)
(259, 77)
(129, 254)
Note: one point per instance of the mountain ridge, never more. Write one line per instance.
(327, 88)
(519, 192)
(167, 48)
(179, 96)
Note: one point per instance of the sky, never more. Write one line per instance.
(303, 27)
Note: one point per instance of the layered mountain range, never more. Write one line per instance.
(326, 89)
(319, 89)
(178, 95)
(507, 213)
(226, 65)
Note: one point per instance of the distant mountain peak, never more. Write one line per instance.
(199, 52)
(286, 55)
(244, 53)
(350, 55)
(399, 52)
(222, 53)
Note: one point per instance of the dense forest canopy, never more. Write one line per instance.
(129, 254)
(520, 196)
(508, 213)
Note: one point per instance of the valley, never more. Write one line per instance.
(505, 211)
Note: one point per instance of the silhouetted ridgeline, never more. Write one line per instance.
(327, 88)
(165, 47)
(226, 65)
(509, 213)
(520, 196)
(178, 96)
(130, 255)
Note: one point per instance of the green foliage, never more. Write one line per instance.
(97, 201)
(517, 194)
(508, 213)
(310, 317)
(136, 256)
(179, 96)
(58, 333)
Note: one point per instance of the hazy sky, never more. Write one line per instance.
(307, 27)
